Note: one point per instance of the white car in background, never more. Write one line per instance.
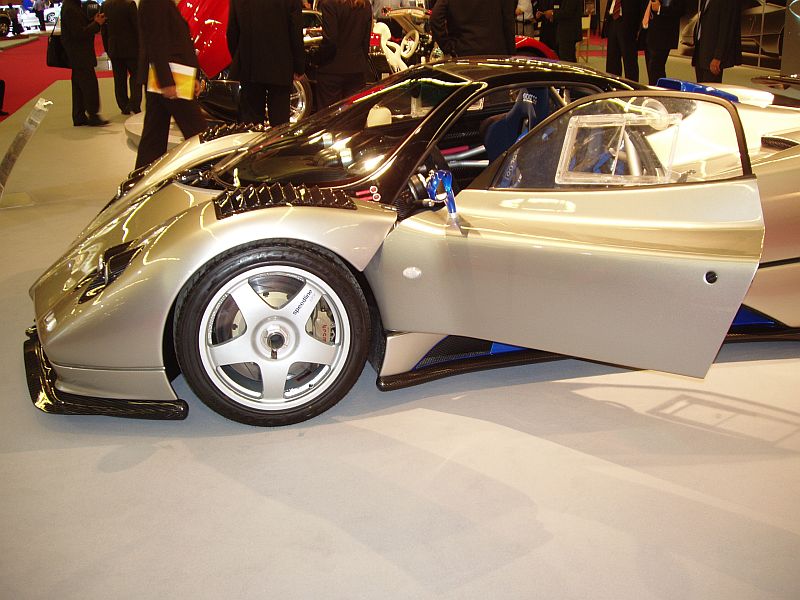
(30, 22)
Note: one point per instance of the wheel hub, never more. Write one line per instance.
(276, 340)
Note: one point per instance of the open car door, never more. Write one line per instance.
(626, 228)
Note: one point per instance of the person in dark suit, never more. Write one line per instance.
(474, 27)
(164, 38)
(121, 41)
(77, 37)
(717, 39)
(661, 21)
(547, 28)
(343, 54)
(2, 97)
(567, 18)
(265, 38)
(623, 19)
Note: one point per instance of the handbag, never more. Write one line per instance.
(56, 54)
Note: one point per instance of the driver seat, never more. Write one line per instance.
(500, 132)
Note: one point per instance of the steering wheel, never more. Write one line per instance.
(409, 44)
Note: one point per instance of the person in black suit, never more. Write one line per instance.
(265, 38)
(77, 37)
(121, 41)
(547, 29)
(164, 38)
(474, 27)
(717, 39)
(661, 21)
(623, 19)
(2, 97)
(567, 18)
(343, 54)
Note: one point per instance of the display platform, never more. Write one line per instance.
(560, 480)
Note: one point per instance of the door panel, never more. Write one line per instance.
(619, 230)
(609, 276)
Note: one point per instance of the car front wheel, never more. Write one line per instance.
(272, 335)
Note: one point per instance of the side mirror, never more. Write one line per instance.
(439, 185)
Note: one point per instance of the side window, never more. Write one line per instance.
(630, 141)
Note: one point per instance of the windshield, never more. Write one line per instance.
(348, 141)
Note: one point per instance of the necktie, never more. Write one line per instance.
(616, 11)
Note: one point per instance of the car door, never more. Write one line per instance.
(626, 228)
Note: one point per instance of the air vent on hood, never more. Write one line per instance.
(229, 129)
(255, 197)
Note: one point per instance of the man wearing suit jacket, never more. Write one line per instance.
(622, 21)
(77, 36)
(474, 27)
(265, 38)
(343, 56)
(567, 15)
(547, 28)
(662, 22)
(164, 38)
(121, 40)
(717, 39)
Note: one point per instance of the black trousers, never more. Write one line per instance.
(621, 50)
(124, 78)
(155, 133)
(332, 87)
(706, 76)
(547, 35)
(566, 48)
(656, 61)
(255, 99)
(85, 95)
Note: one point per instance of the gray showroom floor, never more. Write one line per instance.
(562, 480)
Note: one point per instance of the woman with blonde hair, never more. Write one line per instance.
(343, 54)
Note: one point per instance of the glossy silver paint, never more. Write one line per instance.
(404, 351)
(622, 276)
(600, 275)
(179, 232)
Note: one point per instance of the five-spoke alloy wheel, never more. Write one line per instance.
(272, 335)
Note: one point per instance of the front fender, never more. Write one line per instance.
(122, 327)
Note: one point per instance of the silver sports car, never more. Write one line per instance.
(456, 216)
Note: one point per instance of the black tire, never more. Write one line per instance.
(5, 27)
(288, 309)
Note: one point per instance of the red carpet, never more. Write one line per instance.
(26, 74)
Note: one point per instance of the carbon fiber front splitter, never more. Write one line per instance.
(45, 396)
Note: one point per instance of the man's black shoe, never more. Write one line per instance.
(97, 122)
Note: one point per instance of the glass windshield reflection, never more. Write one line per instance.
(349, 140)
